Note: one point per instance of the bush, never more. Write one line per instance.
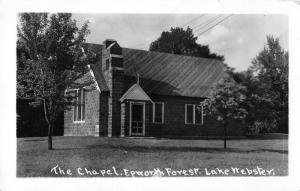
(266, 126)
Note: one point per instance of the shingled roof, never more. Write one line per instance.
(99, 77)
(168, 74)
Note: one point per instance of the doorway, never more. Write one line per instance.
(137, 119)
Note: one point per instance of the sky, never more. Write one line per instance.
(239, 38)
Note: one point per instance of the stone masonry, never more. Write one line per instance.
(92, 106)
(112, 68)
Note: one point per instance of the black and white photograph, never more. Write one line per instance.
(103, 96)
(191, 91)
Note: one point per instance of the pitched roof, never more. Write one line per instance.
(169, 74)
(99, 77)
(136, 92)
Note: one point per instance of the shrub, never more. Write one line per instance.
(265, 126)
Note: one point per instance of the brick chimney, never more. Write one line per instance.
(113, 71)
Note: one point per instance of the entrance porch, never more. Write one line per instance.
(135, 111)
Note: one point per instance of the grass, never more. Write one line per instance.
(99, 153)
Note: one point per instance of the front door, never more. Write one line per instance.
(137, 119)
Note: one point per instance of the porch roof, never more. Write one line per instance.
(135, 92)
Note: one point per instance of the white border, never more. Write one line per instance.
(8, 10)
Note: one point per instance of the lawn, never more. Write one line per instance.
(99, 156)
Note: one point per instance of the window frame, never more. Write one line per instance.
(194, 114)
(82, 119)
(162, 113)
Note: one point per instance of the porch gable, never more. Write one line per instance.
(137, 93)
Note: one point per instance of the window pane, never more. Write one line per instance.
(79, 105)
(198, 114)
(134, 113)
(134, 129)
(137, 112)
(107, 64)
(83, 104)
(140, 130)
(189, 114)
(140, 124)
(158, 113)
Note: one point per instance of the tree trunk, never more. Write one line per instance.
(225, 135)
(49, 127)
(50, 137)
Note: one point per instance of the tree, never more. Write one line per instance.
(268, 78)
(180, 41)
(50, 58)
(266, 82)
(227, 103)
(255, 105)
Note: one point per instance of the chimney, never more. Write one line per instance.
(108, 42)
(113, 71)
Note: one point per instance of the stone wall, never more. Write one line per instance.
(88, 127)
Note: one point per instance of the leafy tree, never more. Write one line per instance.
(49, 59)
(180, 41)
(254, 104)
(268, 84)
(227, 102)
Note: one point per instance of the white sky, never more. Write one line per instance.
(239, 38)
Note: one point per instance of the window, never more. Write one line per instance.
(189, 113)
(158, 112)
(198, 114)
(79, 107)
(107, 63)
(193, 114)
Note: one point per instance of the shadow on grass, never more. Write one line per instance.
(180, 149)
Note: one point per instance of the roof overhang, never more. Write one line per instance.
(94, 79)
